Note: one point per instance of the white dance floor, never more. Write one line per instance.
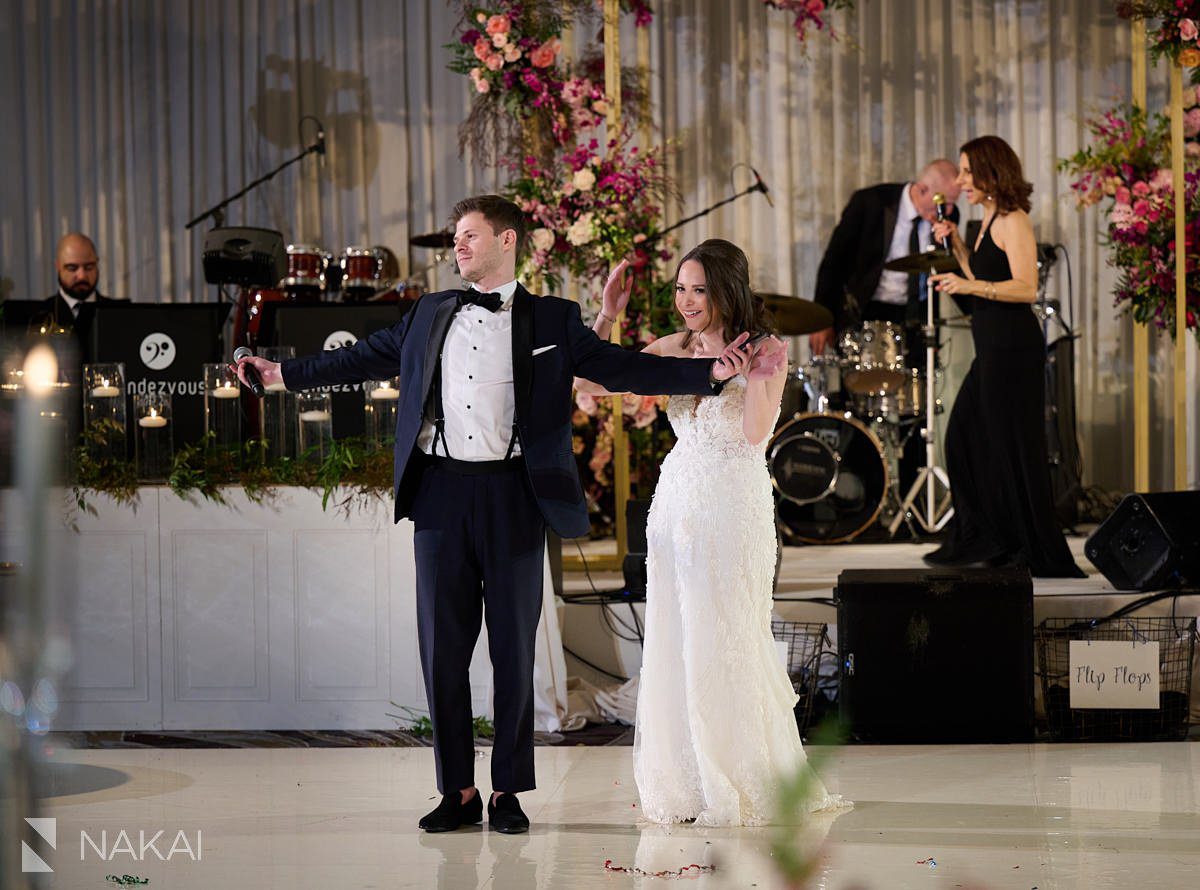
(1017, 816)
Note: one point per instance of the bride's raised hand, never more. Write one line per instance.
(733, 359)
(617, 289)
(769, 357)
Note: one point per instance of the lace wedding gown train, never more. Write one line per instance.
(715, 729)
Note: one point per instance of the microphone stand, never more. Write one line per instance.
(217, 211)
(757, 187)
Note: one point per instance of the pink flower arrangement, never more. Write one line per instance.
(525, 92)
(1128, 165)
(588, 210)
(1175, 33)
(810, 14)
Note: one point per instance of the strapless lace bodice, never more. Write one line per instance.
(711, 426)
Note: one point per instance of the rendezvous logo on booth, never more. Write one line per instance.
(133, 846)
(157, 351)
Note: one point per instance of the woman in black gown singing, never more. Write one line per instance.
(996, 438)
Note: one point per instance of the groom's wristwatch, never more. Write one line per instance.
(714, 384)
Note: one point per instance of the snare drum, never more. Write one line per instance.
(306, 267)
(874, 357)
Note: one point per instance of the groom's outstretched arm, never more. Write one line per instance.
(376, 357)
(626, 370)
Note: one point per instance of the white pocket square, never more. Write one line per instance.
(542, 349)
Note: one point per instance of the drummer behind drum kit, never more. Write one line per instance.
(845, 421)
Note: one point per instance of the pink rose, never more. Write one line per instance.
(1161, 181)
(543, 56)
(1141, 189)
(483, 49)
(1122, 195)
(1141, 207)
(494, 62)
(1121, 215)
(1191, 122)
(498, 24)
(1188, 29)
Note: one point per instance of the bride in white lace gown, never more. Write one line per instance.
(715, 730)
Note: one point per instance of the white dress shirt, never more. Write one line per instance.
(73, 303)
(893, 286)
(477, 384)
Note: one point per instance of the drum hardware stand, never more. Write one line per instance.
(935, 512)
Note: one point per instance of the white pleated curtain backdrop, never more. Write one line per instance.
(127, 119)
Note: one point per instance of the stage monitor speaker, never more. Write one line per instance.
(1151, 541)
(316, 327)
(936, 655)
(244, 255)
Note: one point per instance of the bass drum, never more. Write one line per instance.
(830, 478)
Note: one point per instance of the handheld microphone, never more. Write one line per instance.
(249, 371)
(762, 187)
(939, 202)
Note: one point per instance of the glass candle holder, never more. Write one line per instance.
(379, 409)
(278, 410)
(104, 410)
(314, 415)
(154, 441)
(222, 406)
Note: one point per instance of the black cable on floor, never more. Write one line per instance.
(593, 666)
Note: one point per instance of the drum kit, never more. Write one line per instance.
(358, 274)
(846, 419)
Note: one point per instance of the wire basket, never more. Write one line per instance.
(806, 640)
(1176, 638)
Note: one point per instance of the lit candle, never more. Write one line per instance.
(226, 391)
(153, 420)
(276, 387)
(314, 416)
(385, 392)
(105, 390)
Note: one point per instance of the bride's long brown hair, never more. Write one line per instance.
(727, 285)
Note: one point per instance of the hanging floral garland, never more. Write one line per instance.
(809, 15)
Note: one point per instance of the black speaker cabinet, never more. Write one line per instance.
(1150, 541)
(936, 655)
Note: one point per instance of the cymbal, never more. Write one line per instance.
(433, 239)
(796, 315)
(924, 263)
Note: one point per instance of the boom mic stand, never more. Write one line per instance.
(217, 211)
(757, 187)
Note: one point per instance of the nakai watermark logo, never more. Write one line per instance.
(139, 846)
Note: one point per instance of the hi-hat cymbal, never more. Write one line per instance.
(931, 261)
(433, 239)
(796, 315)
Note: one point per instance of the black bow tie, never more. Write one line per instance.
(490, 302)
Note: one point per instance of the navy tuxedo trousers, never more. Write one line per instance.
(480, 546)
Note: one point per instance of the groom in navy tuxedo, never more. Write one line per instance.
(483, 465)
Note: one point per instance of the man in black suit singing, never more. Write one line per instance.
(483, 465)
(881, 223)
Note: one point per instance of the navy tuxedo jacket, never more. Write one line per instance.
(542, 386)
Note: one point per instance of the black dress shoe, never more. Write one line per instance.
(505, 815)
(452, 813)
